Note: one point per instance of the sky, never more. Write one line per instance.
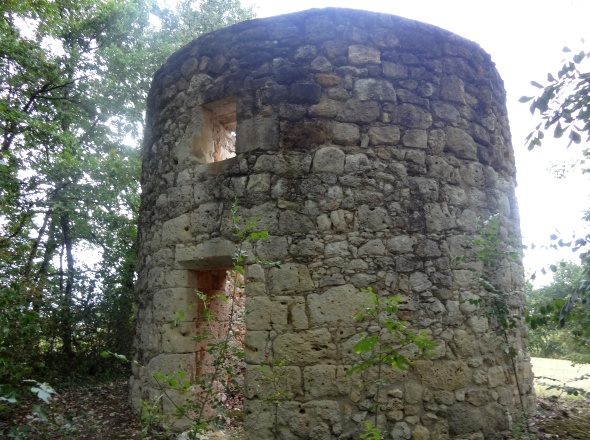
(525, 39)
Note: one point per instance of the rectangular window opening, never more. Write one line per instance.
(217, 140)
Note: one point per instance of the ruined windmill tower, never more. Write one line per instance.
(370, 146)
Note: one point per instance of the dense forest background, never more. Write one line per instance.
(74, 76)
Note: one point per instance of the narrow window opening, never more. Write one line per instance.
(217, 139)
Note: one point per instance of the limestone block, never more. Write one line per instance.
(306, 248)
(361, 55)
(266, 212)
(156, 277)
(367, 89)
(205, 219)
(327, 80)
(260, 311)
(179, 339)
(401, 431)
(420, 433)
(258, 133)
(212, 254)
(256, 346)
(393, 70)
(452, 89)
(465, 418)
(464, 344)
(401, 244)
(446, 112)
(306, 347)
(305, 93)
(322, 381)
(372, 248)
(167, 303)
(426, 189)
(270, 164)
(321, 64)
(359, 112)
(264, 381)
(412, 116)
(290, 278)
(372, 219)
(438, 217)
(443, 374)
(419, 282)
(254, 273)
(337, 304)
(384, 135)
(167, 364)
(497, 419)
(460, 143)
(436, 140)
(259, 183)
(415, 139)
(259, 419)
(337, 249)
(496, 376)
(345, 134)
(176, 230)
(478, 397)
(473, 175)
(479, 324)
(326, 108)
(273, 249)
(413, 392)
(428, 248)
(328, 160)
(180, 278)
(341, 220)
(291, 222)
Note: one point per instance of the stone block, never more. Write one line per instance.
(460, 143)
(264, 382)
(321, 381)
(371, 89)
(384, 135)
(258, 133)
(328, 160)
(443, 374)
(167, 303)
(302, 93)
(290, 278)
(176, 230)
(361, 55)
(308, 347)
(335, 305)
(256, 346)
(212, 254)
(345, 134)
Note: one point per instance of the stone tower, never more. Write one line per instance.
(370, 146)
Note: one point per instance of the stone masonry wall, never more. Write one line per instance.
(370, 146)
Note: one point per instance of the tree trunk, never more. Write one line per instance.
(67, 300)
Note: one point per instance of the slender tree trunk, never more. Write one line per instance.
(67, 299)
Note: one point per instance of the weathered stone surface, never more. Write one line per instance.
(369, 147)
(328, 160)
(335, 305)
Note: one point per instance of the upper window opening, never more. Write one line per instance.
(217, 139)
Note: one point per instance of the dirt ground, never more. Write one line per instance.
(102, 412)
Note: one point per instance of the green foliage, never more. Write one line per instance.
(388, 343)
(217, 375)
(564, 107)
(552, 335)
(563, 103)
(74, 77)
(495, 250)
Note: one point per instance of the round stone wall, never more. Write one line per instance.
(371, 147)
